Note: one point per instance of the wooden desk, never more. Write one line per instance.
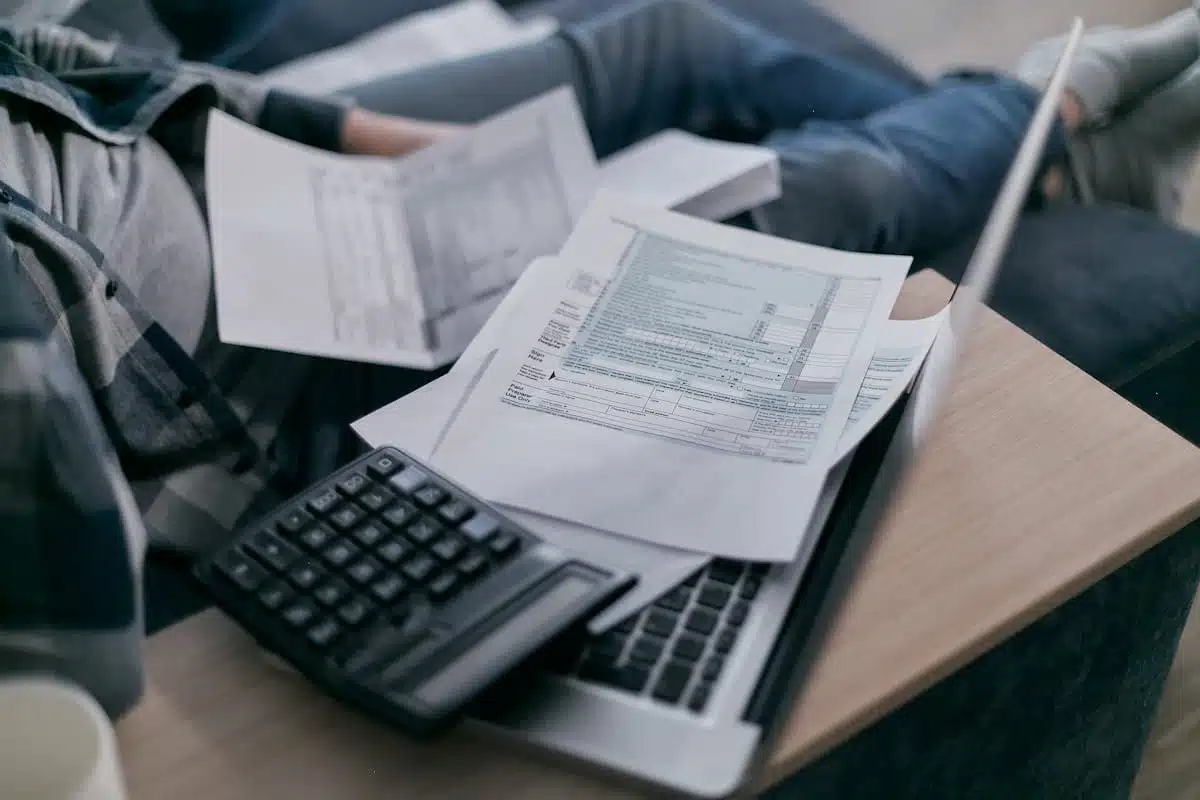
(1038, 482)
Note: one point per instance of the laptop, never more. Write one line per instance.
(690, 695)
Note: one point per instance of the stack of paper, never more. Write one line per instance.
(695, 176)
(666, 390)
(654, 391)
(461, 29)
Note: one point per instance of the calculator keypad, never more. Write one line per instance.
(371, 542)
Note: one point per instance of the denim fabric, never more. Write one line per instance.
(867, 163)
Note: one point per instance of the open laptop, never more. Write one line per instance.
(690, 694)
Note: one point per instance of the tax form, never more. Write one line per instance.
(457, 30)
(416, 423)
(898, 357)
(393, 261)
(684, 383)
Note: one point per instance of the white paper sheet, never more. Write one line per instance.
(903, 346)
(391, 261)
(416, 422)
(696, 176)
(431, 37)
(687, 387)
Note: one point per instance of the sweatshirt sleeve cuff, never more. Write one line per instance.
(313, 121)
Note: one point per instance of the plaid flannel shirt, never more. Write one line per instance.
(92, 390)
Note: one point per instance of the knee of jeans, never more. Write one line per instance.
(696, 21)
(866, 196)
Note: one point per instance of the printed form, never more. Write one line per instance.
(417, 422)
(897, 359)
(688, 387)
(384, 260)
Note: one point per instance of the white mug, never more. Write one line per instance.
(56, 743)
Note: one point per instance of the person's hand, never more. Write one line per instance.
(366, 133)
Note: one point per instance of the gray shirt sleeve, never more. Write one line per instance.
(71, 539)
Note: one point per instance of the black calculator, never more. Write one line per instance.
(399, 592)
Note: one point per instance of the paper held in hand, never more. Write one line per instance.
(382, 260)
(402, 261)
(683, 383)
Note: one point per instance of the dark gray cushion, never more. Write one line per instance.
(1114, 290)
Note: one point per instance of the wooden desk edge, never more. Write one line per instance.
(923, 292)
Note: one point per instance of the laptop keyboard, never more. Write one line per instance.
(675, 650)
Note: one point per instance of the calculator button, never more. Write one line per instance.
(420, 567)
(275, 552)
(472, 565)
(448, 548)
(712, 668)
(324, 633)
(423, 531)
(409, 480)
(392, 551)
(503, 544)
(749, 588)
(370, 534)
(376, 498)
(387, 589)
(725, 641)
(339, 554)
(316, 538)
(399, 515)
(332, 593)
(444, 585)
(306, 574)
(325, 502)
(244, 573)
(429, 496)
(353, 483)
(354, 612)
(273, 596)
(294, 521)
(383, 465)
(455, 511)
(346, 517)
(299, 614)
(364, 570)
(480, 526)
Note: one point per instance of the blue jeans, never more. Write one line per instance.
(220, 32)
(867, 164)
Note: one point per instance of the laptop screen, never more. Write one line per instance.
(875, 471)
